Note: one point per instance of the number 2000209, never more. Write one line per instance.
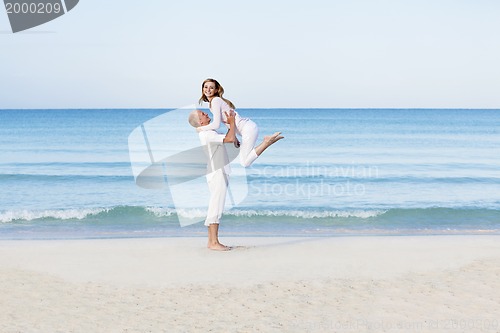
(32, 8)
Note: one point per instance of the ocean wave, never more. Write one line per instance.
(256, 182)
(162, 212)
(62, 214)
(315, 179)
(306, 214)
(427, 217)
(62, 177)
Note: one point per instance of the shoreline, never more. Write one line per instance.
(73, 236)
(270, 284)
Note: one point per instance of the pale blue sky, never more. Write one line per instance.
(339, 54)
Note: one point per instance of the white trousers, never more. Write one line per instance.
(249, 133)
(217, 184)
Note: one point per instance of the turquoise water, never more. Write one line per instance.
(67, 174)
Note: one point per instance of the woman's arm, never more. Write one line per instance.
(216, 109)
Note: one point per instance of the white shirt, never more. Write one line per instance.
(215, 151)
(218, 107)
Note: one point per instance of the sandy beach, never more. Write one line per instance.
(341, 284)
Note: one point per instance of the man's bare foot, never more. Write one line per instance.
(218, 247)
(270, 139)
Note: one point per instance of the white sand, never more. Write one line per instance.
(344, 284)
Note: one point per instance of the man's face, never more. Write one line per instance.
(204, 118)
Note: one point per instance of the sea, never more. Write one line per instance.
(67, 174)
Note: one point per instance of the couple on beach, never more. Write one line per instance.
(218, 169)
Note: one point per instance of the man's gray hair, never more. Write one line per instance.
(194, 119)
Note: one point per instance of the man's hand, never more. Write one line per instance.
(237, 143)
(230, 117)
(230, 135)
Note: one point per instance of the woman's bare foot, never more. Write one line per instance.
(218, 247)
(270, 139)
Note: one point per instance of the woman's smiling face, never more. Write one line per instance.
(209, 90)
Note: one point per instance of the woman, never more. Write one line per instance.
(212, 93)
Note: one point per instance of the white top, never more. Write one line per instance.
(218, 107)
(217, 158)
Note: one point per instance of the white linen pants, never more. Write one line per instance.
(217, 185)
(249, 133)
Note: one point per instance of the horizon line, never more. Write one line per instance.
(257, 108)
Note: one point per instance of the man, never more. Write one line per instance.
(217, 172)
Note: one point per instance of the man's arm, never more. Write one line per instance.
(231, 134)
